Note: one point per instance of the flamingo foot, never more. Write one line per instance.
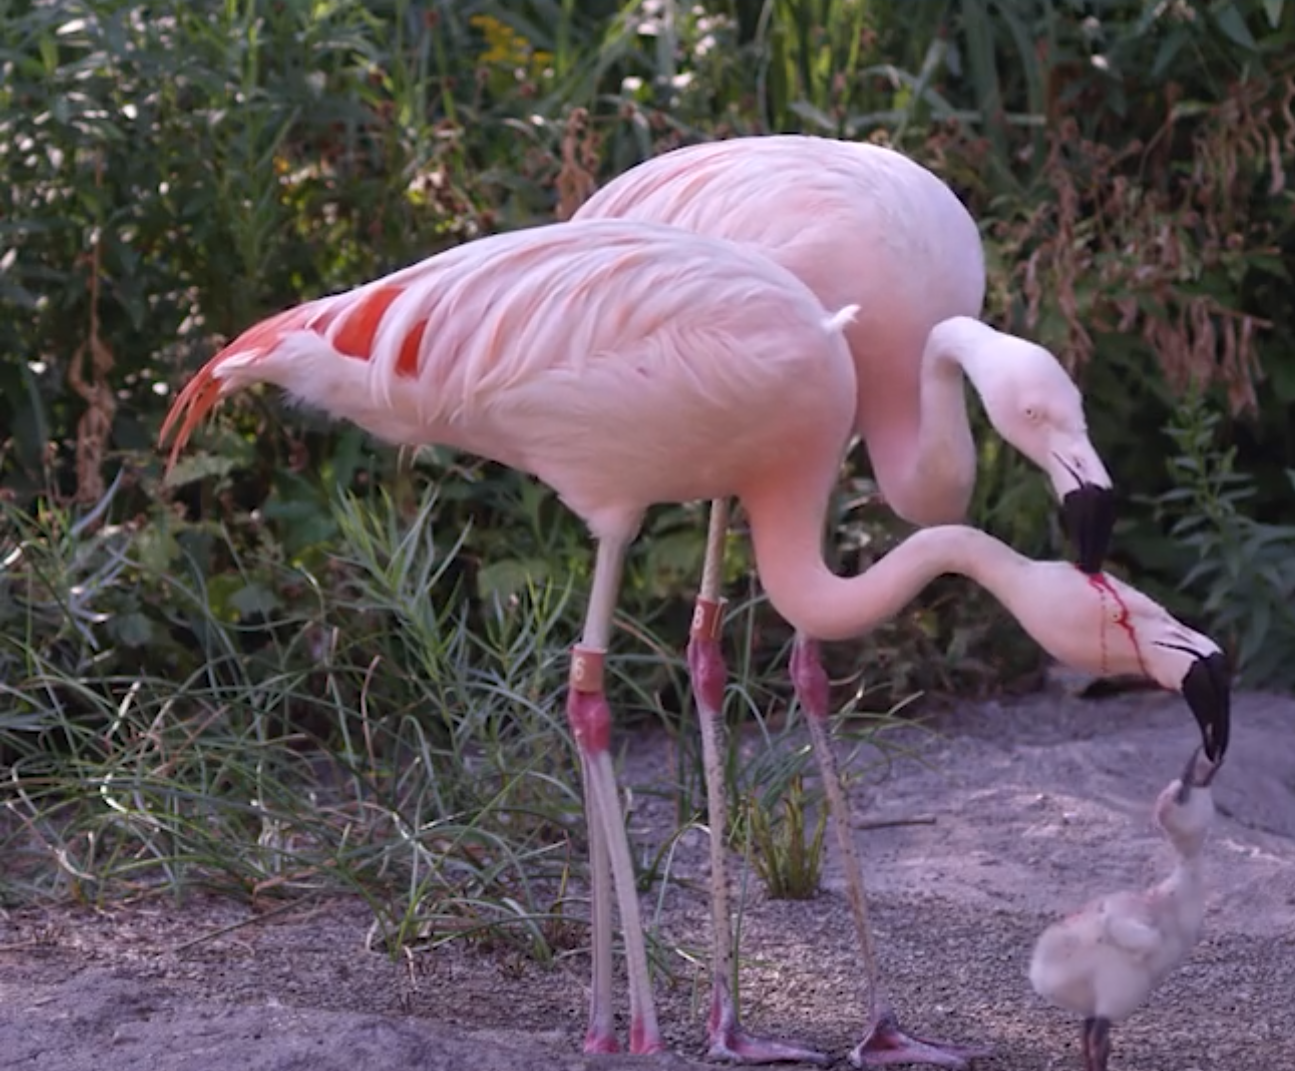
(730, 1041)
(596, 1043)
(645, 1040)
(740, 1047)
(887, 1044)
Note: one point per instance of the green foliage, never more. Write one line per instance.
(177, 175)
(1242, 569)
(789, 864)
(413, 738)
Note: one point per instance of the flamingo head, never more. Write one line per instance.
(1099, 624)
(1036, 407)
(1198, 773)
(1140, 636)
(1185, 807)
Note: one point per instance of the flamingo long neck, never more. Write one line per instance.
(938, 474)
(787, 531)
(1187, 872)
(1188, 866)
(1183, 891)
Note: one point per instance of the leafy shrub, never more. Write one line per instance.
(1241, 569)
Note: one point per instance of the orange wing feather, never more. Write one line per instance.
(355, 337)
(410, 348)
(203, 391)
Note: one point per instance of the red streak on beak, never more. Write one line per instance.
(1102, 585)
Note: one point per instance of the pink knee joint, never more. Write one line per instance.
(587, 710)
(705, 662)
(810, 678)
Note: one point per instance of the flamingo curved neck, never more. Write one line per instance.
(787, 537)
(1187, 864)
(936, 476)
(1182, 893)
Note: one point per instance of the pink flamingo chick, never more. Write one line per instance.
(629, 364)
(1104, 961)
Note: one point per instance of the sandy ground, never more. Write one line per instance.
(1037, 806)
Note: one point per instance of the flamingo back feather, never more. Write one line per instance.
(529, 347)
(829, 210)
(201, 394)
(347, 323)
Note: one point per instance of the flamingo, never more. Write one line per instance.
(859, 223)
(1105, 960)
(862, 224)
(627, 364)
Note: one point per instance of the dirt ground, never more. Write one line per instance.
(1037, 806)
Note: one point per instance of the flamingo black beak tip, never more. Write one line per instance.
(1198, 773)
(1089, 515)
(1208, 691)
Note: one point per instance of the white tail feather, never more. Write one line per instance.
(838, 321)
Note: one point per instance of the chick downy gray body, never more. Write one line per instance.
(1104, 961)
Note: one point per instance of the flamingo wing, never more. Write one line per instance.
(600, 356)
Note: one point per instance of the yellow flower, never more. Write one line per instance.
(505, 46)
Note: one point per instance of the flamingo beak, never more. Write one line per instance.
(1208, 691)
(1089, 515)
(1198, 773)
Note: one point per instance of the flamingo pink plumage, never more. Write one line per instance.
(628, 364)
(862, 224)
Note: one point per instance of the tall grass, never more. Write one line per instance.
(369, 739)
(373, 742)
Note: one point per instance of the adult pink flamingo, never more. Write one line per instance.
(627, 364)
(861, 224)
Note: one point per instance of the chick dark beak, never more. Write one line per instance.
(1198, 773)
(1208, 691)
(1089, 515)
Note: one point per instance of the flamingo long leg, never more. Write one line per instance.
(1096, 1044)
(590, 719)
(728, 1040)
(885, 1043)
(601, 1035)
